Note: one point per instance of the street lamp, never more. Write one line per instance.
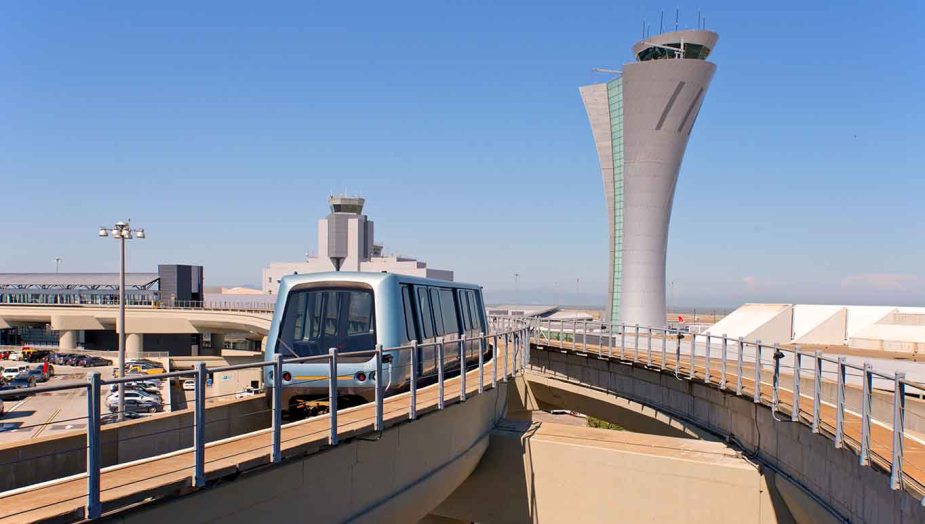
(121, 231)
(57, 264)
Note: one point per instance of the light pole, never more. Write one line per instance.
(57, 264)
(516, 287)
(121, 231)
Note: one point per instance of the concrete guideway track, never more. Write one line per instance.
(881, 438)
(126, 484)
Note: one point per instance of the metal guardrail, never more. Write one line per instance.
(766, 362)
(515, 336)
(186, 305)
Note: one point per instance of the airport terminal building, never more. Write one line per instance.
(641, 122)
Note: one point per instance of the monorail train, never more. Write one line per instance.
(355, 312)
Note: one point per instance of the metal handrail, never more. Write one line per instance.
(555, 329)
(516, 335)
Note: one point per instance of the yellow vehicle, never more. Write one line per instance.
(146, 370)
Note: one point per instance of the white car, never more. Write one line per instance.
(248, 392)
(15, 355)
(14, 371)
(189, 384)
(113, 398)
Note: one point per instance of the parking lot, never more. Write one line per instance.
(45, 414)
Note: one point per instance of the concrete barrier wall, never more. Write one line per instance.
(398, 477)
(48, 458)
(832, 475)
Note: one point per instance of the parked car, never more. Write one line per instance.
(90, 362)
(15, 355)
(137, 395)
(18, 383)
(135, 404)
(12, 372)
(248, 392)
(37, 374)
(4, 355)
(137, 386)
(35, 355)
(146, 369)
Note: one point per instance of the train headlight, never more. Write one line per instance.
(287, 376)
(360, 376)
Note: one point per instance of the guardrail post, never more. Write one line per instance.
(481, 362)
(332, 395)
(706, 374)
(817, 391)
(636, 343)
(622, 341)
(840, 405)
(574, 335)
(494, 358)
(797, 370)
(649, 346)
(413, 408)
(525, 339)
(94, 508)
(664, 347)
(440, 399)
(199, 433)
(276, 454)
(690, 374)
(899, 423)
(864, 456)
(378, 386)
(740, 364)
(775, 381)
(677, 353)
(722, 363)
(584, 336)
(610, 340)
(462, 368)
(507, 350)
(757, 396)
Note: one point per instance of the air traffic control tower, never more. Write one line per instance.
(641, 121)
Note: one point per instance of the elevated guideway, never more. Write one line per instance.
(388, 461)
(805, 430)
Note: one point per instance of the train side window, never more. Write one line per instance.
(448, 305)
(438, 311)
(427, 316)
(410, 331)
(475, 309)
(463, 298)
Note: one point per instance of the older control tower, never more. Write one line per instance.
(641, 121)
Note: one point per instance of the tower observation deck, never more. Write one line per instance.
(641, 121)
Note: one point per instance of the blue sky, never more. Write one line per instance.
(221, 127)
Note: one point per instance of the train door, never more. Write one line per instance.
(427, 333)
(451, 327)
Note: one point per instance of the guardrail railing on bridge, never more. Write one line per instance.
(798, 386)
(192, 305)
(512, 342)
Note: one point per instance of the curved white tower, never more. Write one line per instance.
(641, 122)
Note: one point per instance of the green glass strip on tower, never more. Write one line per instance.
(615, 102)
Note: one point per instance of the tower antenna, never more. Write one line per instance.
(661, 20)
(643, 28)
(677, 14)
(698, 19)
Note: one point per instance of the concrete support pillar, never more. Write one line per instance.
(134, 345)
(67, 339)
(218, 342)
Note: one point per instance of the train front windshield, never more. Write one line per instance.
(317, 319)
